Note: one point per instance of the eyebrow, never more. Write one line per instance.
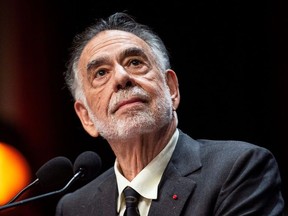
(133, 51)
(96, 62)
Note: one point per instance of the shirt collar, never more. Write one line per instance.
(146, 182)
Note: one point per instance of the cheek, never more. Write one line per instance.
(99, 104)
(160, 89)
(152, 83)
(99, 99)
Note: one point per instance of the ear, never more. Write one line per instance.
(172, 82)
(84, 117)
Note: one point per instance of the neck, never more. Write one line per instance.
(135, 154)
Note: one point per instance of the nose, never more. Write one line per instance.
(122, 79)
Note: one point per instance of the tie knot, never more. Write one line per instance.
(131, 197)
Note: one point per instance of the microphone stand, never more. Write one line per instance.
(10, 205)
(22, 191)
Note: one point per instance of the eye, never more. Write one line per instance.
(135, 62)
(99, 77)
(137, 66)
(100, 73)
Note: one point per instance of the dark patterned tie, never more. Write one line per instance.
(131, 199)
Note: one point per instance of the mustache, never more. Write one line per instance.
(126, 94)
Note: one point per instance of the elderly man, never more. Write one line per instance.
(126, 92)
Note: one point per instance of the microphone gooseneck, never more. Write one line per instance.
(21, 202)
(86, 167)
(59, 168)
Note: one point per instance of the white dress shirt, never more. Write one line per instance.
(146, 182)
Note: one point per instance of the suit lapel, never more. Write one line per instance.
(172, 197)
(106, 199)
(175, 182)
(176, 186)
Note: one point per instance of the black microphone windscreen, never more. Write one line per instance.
(90, 163)
(55, 173)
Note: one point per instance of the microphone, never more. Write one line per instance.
(59, 168)
(88, 164)
(86, 167)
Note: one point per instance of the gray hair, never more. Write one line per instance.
(118, 21)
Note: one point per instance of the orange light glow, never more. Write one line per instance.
(15, 172)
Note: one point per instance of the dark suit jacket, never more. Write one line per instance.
(209, 178)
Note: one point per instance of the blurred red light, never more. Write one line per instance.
(15, 172)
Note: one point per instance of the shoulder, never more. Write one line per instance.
(222, 147)
(90, 189)
(107, 176)
(84, 200)
(225, 154)
(233, 149)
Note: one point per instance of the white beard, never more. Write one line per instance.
(136, 122)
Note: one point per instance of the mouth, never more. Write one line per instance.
(128, 103)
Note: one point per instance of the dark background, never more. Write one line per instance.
(230, 57)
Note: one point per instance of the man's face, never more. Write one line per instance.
(126, 93)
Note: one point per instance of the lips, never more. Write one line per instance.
(122, 103)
